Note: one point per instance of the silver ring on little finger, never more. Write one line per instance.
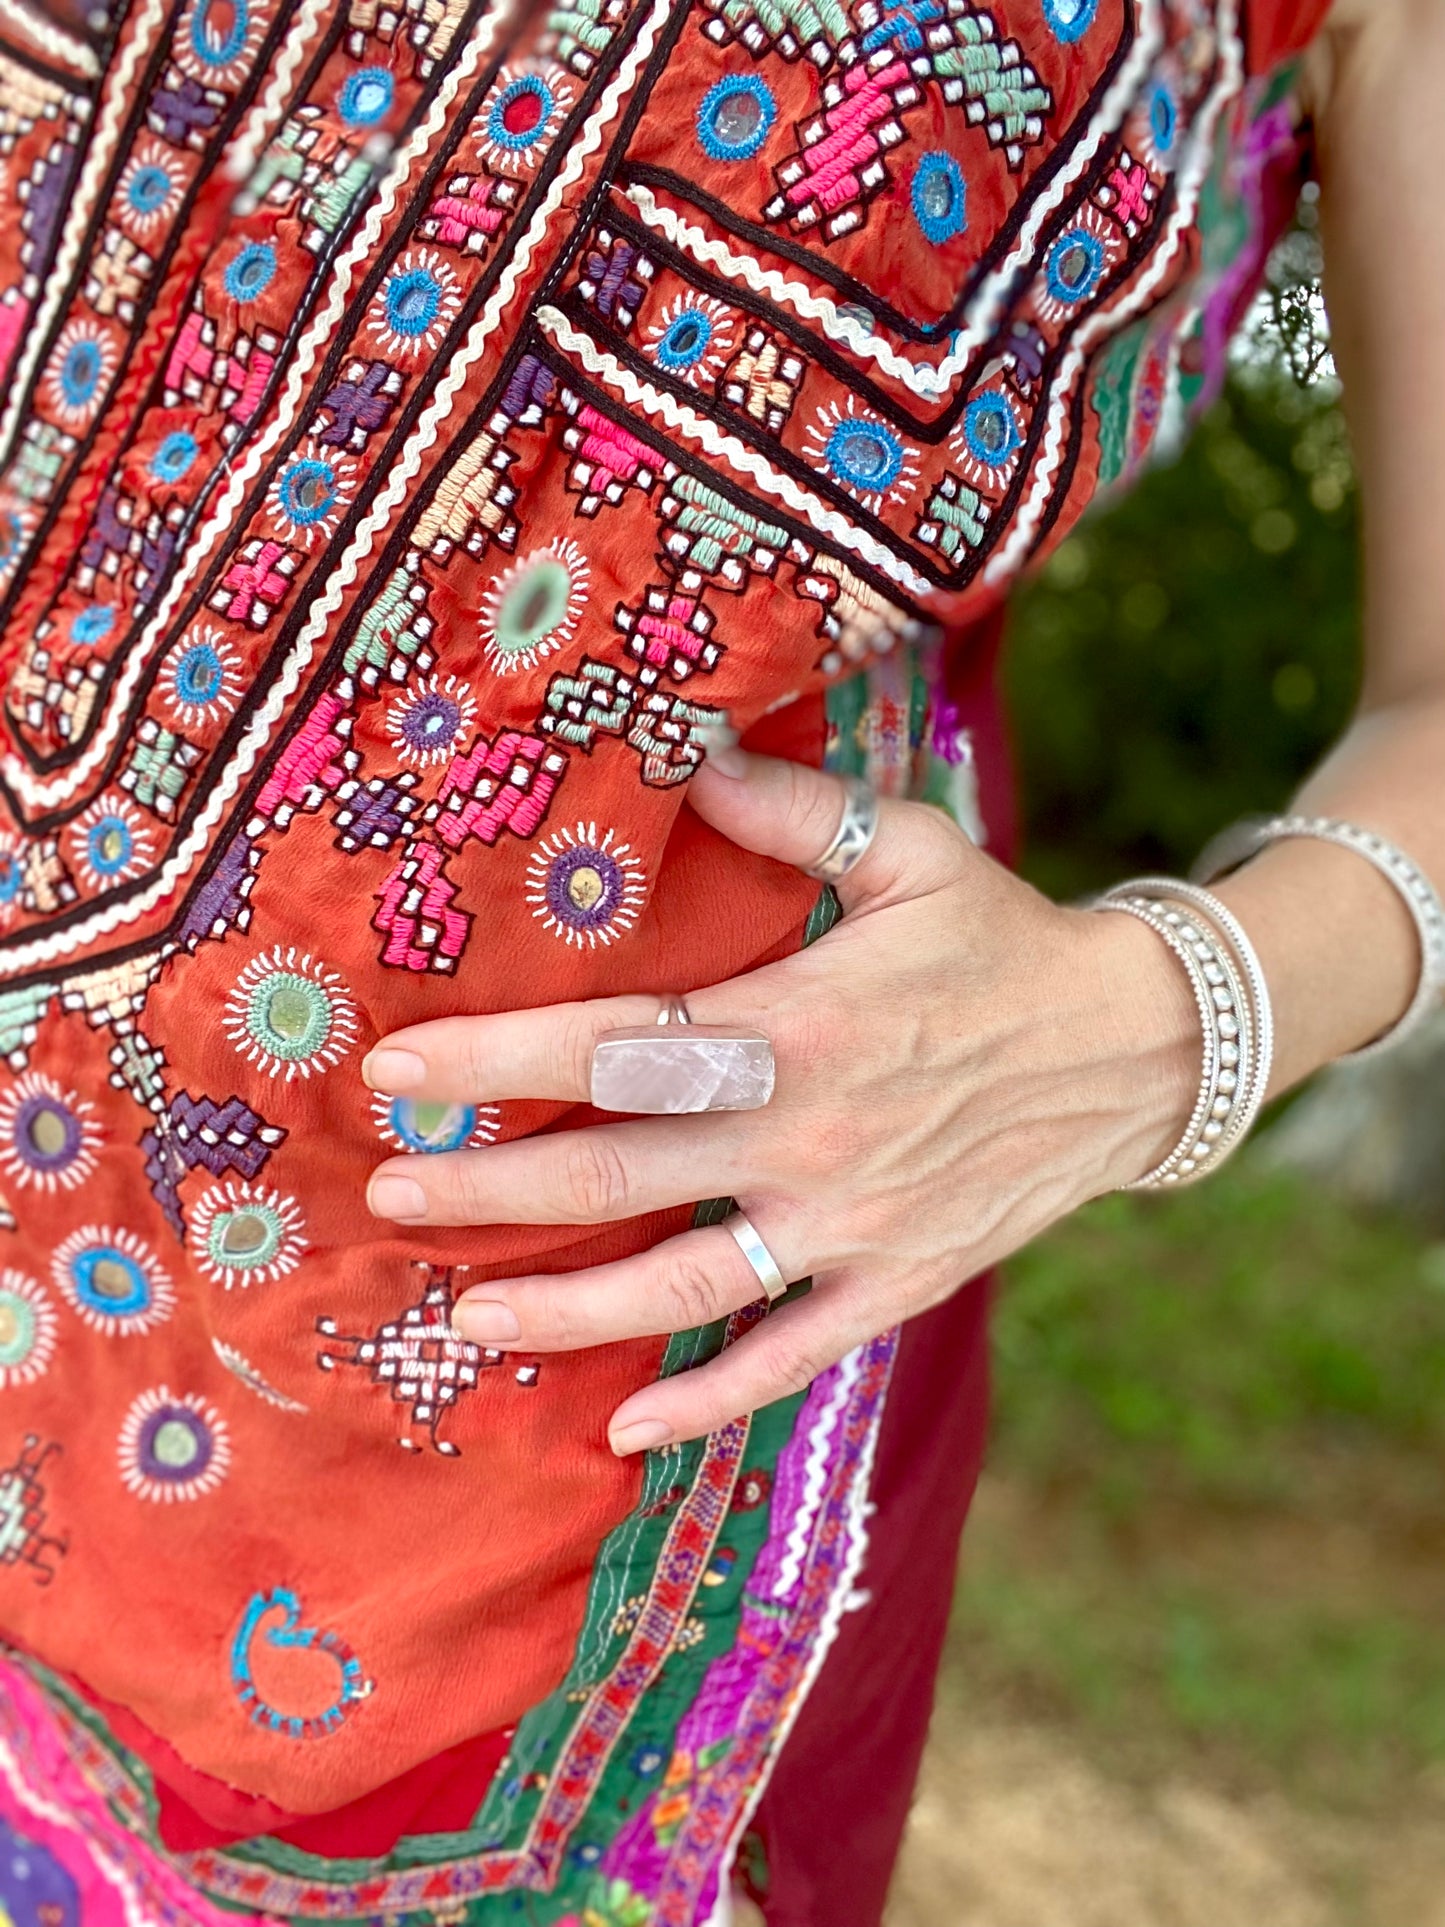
(766, 1268)
(856, 830)
(675, 1067)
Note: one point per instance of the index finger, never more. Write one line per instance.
(547, 1052)
(542, 1053)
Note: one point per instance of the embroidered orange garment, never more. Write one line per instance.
(419, 423)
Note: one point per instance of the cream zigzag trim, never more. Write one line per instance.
(837, 325)
(860, 1509)
(815, 1477)
(746, 461)
(53, 40)
(115, 100)
(51, 793)
(183, 858)
(266, 114)
(1192, 176)
(923, 378)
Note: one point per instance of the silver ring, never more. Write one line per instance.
(856, 830)
(764, 1264)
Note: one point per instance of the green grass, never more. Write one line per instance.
(1213, 1529)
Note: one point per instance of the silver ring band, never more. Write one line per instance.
(674, 1011)
(764, 1264)
(857, 828)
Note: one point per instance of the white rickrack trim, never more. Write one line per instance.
(727, 448)
(860, 1509)
(41, 793)
(266, 114)
(115, 97)
(927, 379)
(53, 40)
(1011, 556)
(183, 858)
(815, 1479)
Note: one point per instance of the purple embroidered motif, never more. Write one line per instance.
(222, 898)
(199, 1132)
(528, 391)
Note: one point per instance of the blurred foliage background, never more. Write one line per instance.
(1189, 652)
(1209, 1550)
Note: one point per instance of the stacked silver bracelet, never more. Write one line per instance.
(1236, 1021)
(1236, 1018)
(1419, 895)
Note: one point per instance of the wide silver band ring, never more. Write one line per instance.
(857, 828)
(764, 1264)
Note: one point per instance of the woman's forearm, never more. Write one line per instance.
(1338, 946)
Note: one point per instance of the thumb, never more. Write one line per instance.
(792, 813)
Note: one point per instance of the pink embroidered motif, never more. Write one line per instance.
(422, 930)
(506, 785)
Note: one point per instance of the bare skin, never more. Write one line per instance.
(961, 1062)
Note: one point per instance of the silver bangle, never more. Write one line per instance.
(1419, 895)
(1193, 1148)
(1171, 890)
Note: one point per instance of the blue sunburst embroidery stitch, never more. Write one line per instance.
(252, 271)
(1070, 20)
(174, 456)
(735, 117)
(1075, 266)
(940, 198)
(366, 96)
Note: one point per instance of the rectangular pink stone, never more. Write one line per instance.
(667, 1070)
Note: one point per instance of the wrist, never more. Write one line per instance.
(1147, 1025)
(1337, 946)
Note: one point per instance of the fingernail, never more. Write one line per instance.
(393, 1197)
(720, 747)
(392, 1071)
(483, 1321)
(642, 1435)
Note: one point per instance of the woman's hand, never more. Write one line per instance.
(959, 1063)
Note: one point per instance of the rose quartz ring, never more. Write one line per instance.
(675, 1066)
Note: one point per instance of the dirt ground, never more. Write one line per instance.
(1014, 1829)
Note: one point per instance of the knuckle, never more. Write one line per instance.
(936, 838)
(457, 1190)
(595, 1177)
(793, 1366)
(569, 1049)
(690, 1293)
(548, 1317)
(813, 805)
(838, 1140)
(807, 1030)
(474, 1063)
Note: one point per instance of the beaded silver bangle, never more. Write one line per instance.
(1417, 892)
(1184, 1159)
(1235, 1012)
(1256, 1006)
